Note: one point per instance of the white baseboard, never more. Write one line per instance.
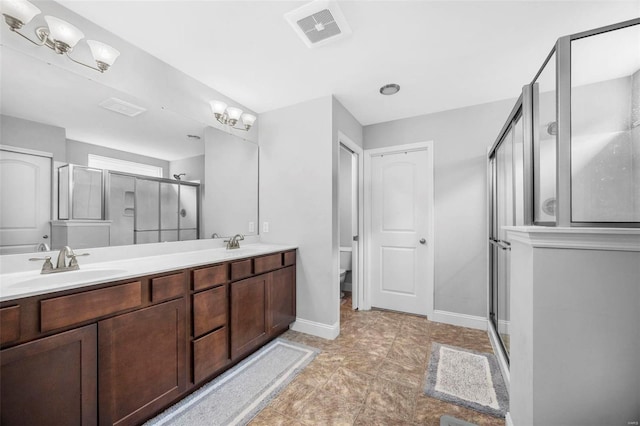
(508, 420)
(316, 328)
(462, 320)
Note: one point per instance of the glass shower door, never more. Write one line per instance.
(507, 209)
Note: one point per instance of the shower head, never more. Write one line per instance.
(177, 177)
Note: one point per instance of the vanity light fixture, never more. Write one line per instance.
(59, 36)
(231, 115)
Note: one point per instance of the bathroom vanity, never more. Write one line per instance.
(118, 352)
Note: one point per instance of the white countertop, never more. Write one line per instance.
(31, 283)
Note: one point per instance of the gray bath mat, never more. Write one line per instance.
(467, 378)
(238, 395)
(452, 421)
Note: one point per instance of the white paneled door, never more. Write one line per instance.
(25, 184)
(400, 246)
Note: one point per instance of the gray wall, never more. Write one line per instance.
(298, 163)
(345, 122)
(192, 166)
(461, 138)
(32, 135)
(230, 184)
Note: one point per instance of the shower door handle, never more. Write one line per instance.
(423, 241)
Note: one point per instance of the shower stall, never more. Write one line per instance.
(569, 152)
(99, 208)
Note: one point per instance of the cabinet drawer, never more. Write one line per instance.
(210, 353)
(165, 288)
(241, 269)
(9, 324)
(209, 310)
(290, 258)
(76, 308)
(209, 277)
(267, 263)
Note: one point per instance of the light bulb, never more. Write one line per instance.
(234, 113)
(218, 107)
(20, 10)
(63, 32)
(103, 52)
(248, 120)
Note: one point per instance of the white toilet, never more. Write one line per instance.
(345, 266)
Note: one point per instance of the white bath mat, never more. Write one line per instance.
(467, 378)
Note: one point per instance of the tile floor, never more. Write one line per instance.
(372, 374)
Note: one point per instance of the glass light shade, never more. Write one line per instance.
(63, 31)
(103, 52)
(21, 10)
(218, 107)
(234, 113)
(248, 119)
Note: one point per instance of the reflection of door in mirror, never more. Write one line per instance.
(25, 211)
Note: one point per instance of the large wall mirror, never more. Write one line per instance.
(53, 115)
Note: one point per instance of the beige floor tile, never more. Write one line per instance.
(270, 417)
(292, 399)
(371, 417)
(349, 384)
(329, 409)
(406, 374)
(373, 374)
(407, 352)
(393, 399)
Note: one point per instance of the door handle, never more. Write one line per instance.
(423, 241)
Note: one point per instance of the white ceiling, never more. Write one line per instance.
(444, 54)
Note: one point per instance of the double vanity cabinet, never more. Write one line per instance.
(118, 353)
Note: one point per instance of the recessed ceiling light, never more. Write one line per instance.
(390, 89)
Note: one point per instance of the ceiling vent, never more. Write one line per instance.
(122, 107)
(318, 23)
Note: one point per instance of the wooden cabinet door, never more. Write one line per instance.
(281, 300)
(142, 362)
(248, 316)
(51, 381)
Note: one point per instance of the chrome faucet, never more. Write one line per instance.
(61, 264)
(234, 242)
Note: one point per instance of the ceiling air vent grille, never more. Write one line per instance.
(122, 107)
(318, 23)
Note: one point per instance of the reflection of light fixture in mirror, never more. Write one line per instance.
(231, 115)
(59, 35)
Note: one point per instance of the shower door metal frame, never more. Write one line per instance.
(107, 182)
(563, 119)
(522, 110)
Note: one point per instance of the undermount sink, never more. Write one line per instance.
(59, 279)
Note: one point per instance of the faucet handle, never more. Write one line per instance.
(73, 263)
(73, 255)
(47, 267)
